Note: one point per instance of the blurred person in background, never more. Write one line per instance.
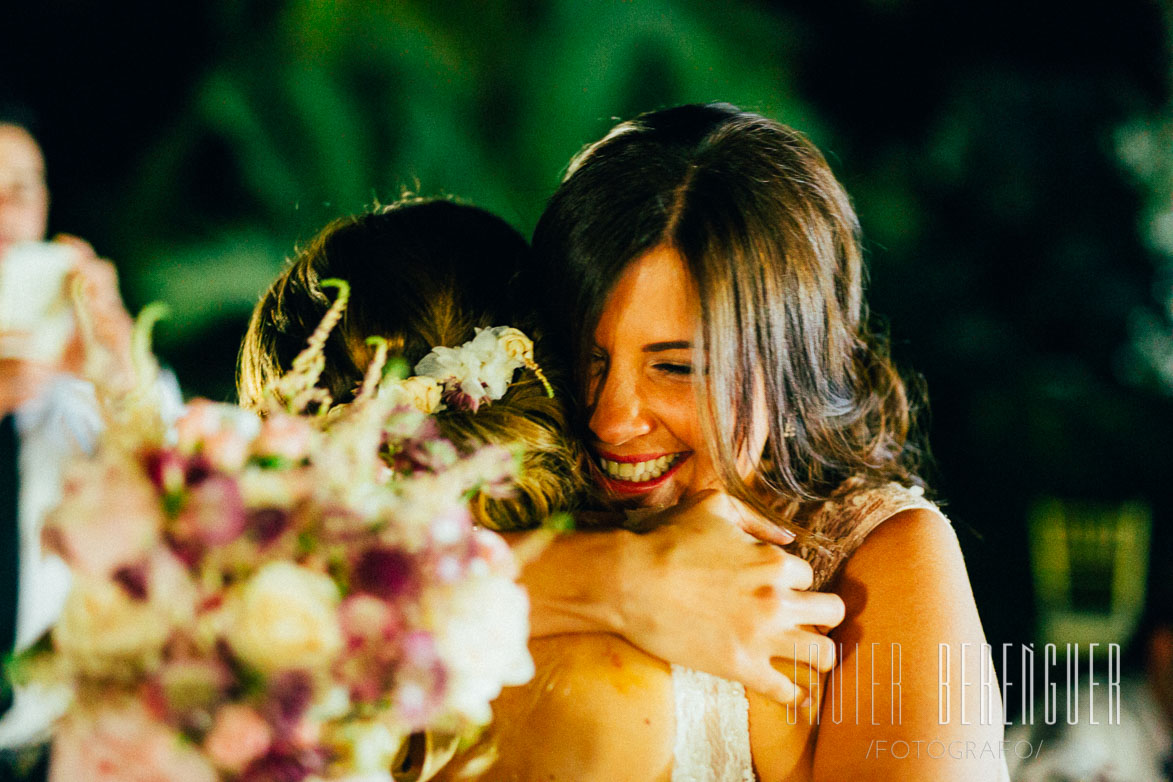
(48, 416)
(1126, 739)
(24, 212)
(24, 195)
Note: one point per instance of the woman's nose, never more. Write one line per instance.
(619, 414)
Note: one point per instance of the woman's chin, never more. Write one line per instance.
(661, 497)
(630, 497)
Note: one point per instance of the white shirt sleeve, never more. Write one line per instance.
(60, 425)
(56, 427)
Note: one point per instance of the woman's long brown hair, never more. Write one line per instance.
(772, 243)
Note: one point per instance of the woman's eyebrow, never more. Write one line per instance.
(656, 347)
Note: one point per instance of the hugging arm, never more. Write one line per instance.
(697, 591)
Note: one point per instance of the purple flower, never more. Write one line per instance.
(289, 694)
(383, 572)
(187, 551)
(458, 400)
(423, 453)
(282, 765)
(166, 469)
(133, 579)
(267, 524)
(198, 470)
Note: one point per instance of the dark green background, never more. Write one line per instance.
(1007, 160)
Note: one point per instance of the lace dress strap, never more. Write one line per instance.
(844, 523)
(712, 729)
(871, 508)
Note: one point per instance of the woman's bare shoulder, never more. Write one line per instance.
(909, 606)
(907, 581)
(913, 538)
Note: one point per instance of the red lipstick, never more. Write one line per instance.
(620, 486)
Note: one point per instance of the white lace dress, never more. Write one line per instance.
(712, 714)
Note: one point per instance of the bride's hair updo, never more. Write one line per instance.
(422, 273)
(772, 242)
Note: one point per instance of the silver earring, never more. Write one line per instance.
(789, 428)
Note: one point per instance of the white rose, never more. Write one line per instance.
(515, 343)
(496, 375)
(286, 617)
(504, 351)
(481, 634)
(480, 348)
(442, 363)
(422, 393)
(367, 747)
(103, 631)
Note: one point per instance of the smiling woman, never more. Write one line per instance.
(643, 418)
(702, 265)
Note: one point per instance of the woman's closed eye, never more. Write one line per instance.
(597, 364)
(678, 369)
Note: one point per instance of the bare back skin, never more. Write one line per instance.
(600, 709)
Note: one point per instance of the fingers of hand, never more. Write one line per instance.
(777, 686)
(832, 606)
(745, 517)
(766, 531)
(786, 572)
(795, 608)
(798, 571)
(84, 249)
(99, 281)
(99, 276)
(802, 653)
(20, 380)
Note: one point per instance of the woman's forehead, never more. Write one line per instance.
(654, 299)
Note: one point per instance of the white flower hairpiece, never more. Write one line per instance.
(478, 372)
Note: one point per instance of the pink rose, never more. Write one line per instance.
(121, 743)
(366, 618)
(110, 517)
(307, 733)
(216, 428)
(371, 627)
(285, 436)
(238, 737)
(213, 513)
(200, 419)
(226, 449)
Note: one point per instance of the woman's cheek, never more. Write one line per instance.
(679, 414)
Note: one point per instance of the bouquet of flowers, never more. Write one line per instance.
(290, 596)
